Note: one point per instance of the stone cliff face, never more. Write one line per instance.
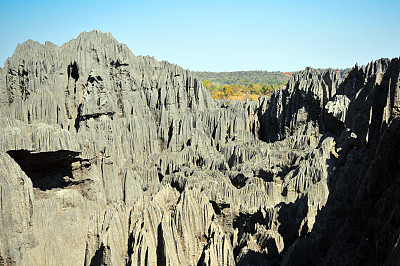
(108, 158)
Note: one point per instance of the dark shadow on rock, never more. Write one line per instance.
(47, 170)
(98, 258)
(161, 256)
(239, 180)
(359, 224)
(276, 128)
(290, 217)
(219, 206)
(253, 258)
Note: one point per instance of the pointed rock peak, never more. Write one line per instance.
(96, 34)
(307, 71)
(28, 44)
(50, 44)
(91, 39)
(92, 32)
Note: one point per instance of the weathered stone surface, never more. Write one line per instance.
(108, 158)
(16, 210)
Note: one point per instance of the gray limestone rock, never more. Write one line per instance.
(108, 158)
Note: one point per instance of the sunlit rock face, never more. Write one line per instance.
(108, 158)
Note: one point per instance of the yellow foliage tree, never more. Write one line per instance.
(207, 84)
(219, 95)
(227, 90)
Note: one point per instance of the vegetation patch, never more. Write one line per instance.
(243, 85)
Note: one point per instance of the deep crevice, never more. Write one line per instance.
(97, 115)
(73, 71)
(98, 257)
(170, 131)
(118, 64)
(160, 176)
(161, 258)
(175, 184)
(78, 118)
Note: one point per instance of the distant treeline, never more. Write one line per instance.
(242, 77)
(240, 85)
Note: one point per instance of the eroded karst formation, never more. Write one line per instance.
(107, 158)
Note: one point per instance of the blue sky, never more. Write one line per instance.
(218, 35)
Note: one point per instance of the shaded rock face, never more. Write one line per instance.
(113, 159)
